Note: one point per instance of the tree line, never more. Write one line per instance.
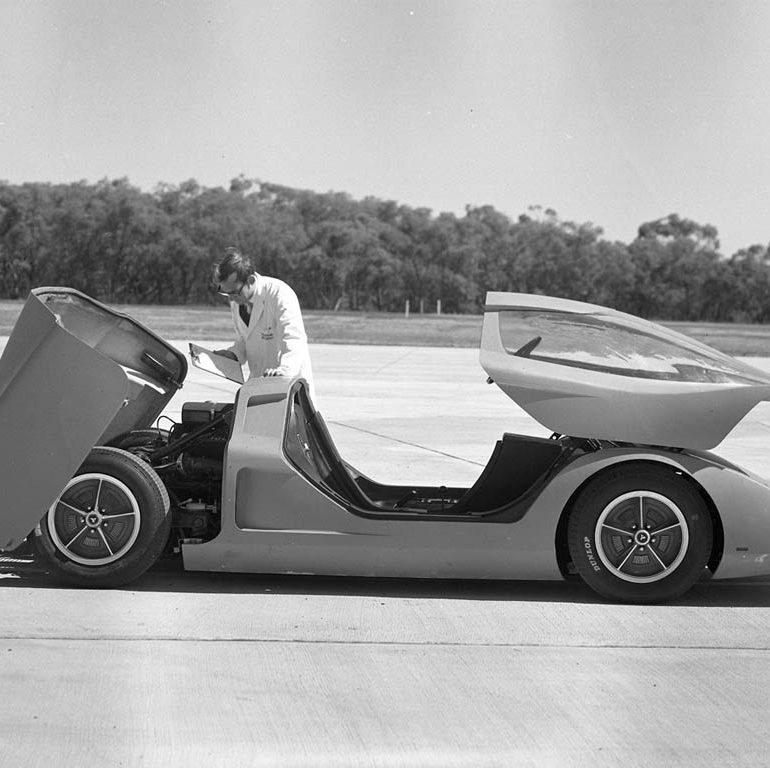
(122, 245)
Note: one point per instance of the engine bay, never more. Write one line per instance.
(188, 456)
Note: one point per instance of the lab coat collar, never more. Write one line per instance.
(257, 300)
(257, 303)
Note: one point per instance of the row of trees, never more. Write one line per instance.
(122, 245)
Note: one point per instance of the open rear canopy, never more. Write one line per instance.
(589, 371)
(73, 374)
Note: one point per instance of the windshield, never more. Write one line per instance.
(597, 343)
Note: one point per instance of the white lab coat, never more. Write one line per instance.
(275, 336)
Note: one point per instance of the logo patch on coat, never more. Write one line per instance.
(267, 334)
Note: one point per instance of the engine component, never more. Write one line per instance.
(201, 413)
(195, 520)
(203, 431)
(198, 468)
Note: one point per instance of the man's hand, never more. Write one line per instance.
(226, 353)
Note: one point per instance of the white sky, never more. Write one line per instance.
(610, 111)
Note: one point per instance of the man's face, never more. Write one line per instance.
(236, 290)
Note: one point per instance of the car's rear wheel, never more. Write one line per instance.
(109, 524)
(640, 534)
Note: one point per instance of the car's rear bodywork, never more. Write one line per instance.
(258, 485)
(74, 374)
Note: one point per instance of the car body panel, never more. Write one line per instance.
(71, 376)
(275, 521)
(589, 371)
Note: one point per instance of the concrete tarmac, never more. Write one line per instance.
(186, 669)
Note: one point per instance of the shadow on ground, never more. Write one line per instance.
(168, 576)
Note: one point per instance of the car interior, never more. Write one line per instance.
(517, 469)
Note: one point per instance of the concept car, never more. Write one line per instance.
(624, 495)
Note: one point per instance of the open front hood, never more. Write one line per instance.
(73, 374)
(588, 371)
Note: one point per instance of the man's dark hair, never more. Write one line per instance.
(233, 261)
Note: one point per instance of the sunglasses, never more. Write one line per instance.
(232, 294)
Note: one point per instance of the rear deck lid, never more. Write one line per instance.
(589, 371)
(73, 374)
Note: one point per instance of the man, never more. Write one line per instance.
(269, 332)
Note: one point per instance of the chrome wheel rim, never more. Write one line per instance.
(641, 537)
(95, 520)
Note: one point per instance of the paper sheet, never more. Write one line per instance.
(207, 360)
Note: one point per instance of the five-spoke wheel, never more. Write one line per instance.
(641, 536)
(640, 533)
(96, 520)
(109, 524)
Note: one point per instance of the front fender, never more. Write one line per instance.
(740, 499)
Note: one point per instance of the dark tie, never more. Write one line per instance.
(244, 313)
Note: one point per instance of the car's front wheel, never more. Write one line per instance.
(640, 534)
(109, 524)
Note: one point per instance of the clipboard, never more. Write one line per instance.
(209, 361)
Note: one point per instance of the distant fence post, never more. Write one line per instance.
(438, 306)
(422, 306)
(406, 308)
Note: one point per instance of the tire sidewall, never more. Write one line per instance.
(601, 492)
(154, 524)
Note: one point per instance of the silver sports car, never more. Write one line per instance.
(624, 495)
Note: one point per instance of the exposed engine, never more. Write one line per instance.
(188, 458)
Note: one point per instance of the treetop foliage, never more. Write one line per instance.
(122, 245)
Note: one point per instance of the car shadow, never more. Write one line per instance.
(168, 576)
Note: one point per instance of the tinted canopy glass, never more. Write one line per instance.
(601, 344)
